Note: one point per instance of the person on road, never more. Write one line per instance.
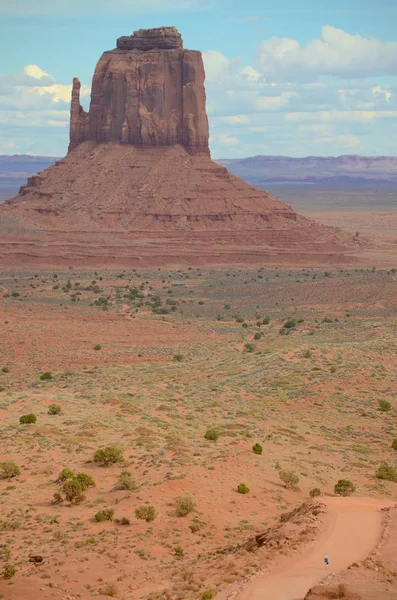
(326, 561)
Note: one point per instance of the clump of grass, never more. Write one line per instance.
(257, 449)
(177, 358)
(242, 488)
(184, 506)
(54, 409)
(249, 346)
(8, 470)
(207, 595)
(106, 514)
(212, 435)
(28, 419)
(384, 405)
(289, 479)
(109, 589)
(344, 487)
(108, 456)
(125, 481)
(179, 552)
(146, 513)
(387, 472)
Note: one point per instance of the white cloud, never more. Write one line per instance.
(337, 53)
(224, 139)
(78, 7)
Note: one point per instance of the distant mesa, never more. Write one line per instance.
(138, 187)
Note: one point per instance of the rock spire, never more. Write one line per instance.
(147, 92)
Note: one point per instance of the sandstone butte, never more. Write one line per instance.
(138, 186)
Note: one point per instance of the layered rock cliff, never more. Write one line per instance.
(148, 91)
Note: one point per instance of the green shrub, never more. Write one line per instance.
(97, 347)
(9, 571)
(57, 498)
(146, 513)
(184, 506)
(249, 346)
(108, 455)
(54, 409)
(28, 419)
(5, 370)
(245, 325)
(242, 488)
(394, 444)
(290, 324)
(315, 492)
(307, 354)
(289, 478)
(125, 481)
(384, 405)
(212, 434)
(344, 487)
(106, 514)
(257, 449)
(266, 321)
(85, 480)
(179, 552)
(73, 491)
(8, 470)
(207, 595)
(64, 475)
(46, 376)
(257, 336)
(177, 358)
(387, 472)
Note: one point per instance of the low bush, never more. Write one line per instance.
(179, 552)
(28, 419)
(9, 571)
(207, 595)
(109, 589)
(344, 487)
(212, 435)
(177, 358)
(125, 481)
(257, 449)
(289, 478)
(108, 456)
(8, 470)
(242, 488)
(106, 514)
(54, 409)
(315, 492)
(387, 472)
(290, 324)
(64, 475)
(257, 336)
(46, 376)
(266, 321)
(394, 444)
(184, 506)
(73, 491)
(146, 513)
(85, 480)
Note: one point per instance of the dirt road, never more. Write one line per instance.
(353, 530)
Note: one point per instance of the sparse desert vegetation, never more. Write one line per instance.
(132, 448)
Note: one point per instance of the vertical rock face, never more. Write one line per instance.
(148, 91)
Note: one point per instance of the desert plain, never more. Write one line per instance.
(184, 371)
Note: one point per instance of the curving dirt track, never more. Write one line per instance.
(353, 530)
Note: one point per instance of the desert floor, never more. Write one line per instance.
(172, 362)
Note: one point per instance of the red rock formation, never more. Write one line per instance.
(148, 91)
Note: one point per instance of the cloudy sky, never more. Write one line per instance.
(283, 76)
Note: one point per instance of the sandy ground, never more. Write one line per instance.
(352, 532)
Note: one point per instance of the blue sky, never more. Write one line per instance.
(283, 77)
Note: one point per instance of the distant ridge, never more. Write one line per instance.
(15, 170)
(328, 170)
